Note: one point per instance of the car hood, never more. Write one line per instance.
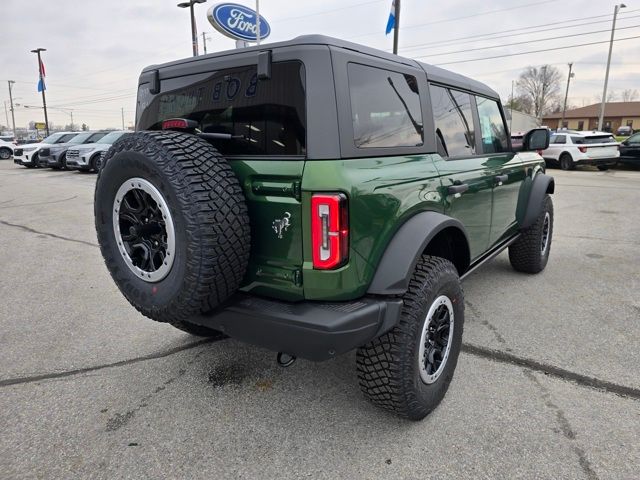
(94, 146)
(37, 144)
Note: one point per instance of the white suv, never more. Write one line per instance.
(570, 148)
(6, 147)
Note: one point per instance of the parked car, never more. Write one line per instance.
(317, 198)
(87, 157)
(570, 148)
(630, 150)
(7, 145)
(624, 131)
(55, 156)
(28, 154)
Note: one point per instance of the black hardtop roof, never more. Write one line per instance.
(435, 74)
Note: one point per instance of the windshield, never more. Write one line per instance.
(52, 138)
(80, 138)
(593, 139)
(111, 137)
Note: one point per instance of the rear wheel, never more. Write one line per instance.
(172, 225)
(408, 370)
(566, 162)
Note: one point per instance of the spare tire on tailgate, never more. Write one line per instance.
(172, 225)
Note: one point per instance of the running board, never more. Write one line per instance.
(490, 255)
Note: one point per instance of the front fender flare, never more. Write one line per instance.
(405, 248)
(541, 185)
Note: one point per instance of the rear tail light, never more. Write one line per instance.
(582, 149)
(329, 230)
(179, 124)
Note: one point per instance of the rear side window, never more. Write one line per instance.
(593, 139)
(561, 139)
(494, 133)
(266, 117)
(385, 108)
(453, 122)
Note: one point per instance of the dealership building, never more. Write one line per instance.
(616, 114)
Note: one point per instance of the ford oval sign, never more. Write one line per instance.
(237, 21)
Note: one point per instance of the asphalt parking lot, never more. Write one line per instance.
(548, 384)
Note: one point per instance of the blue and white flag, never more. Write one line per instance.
(391, 23)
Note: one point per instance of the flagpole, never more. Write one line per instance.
(257, 22)
(396, 27)
(44, 98)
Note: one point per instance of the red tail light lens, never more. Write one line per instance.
(179, 124)
(329, 230)
(583, 149)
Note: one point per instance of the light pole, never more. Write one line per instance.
(13, 116)
(194, 33)
(606, 75)
(566, 94)
(396, 28)
(44, 99)
(204, 42)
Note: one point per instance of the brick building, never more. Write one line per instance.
(616, 114)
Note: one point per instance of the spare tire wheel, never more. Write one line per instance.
(172, 225)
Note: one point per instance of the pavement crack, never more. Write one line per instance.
(52, 235)
(561, 373)
(39, 203)
(69, 373)
(565, 426)
(485, 322)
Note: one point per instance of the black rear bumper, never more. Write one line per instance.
(312, 330)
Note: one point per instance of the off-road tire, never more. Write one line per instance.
(526, 254)
(211, 224)
(566, 162)
(388, 366)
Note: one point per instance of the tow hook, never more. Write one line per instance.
(285, 360)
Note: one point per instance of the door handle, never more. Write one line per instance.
(500, 179)
(457, 189)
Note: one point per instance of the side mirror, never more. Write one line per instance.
(536, 139)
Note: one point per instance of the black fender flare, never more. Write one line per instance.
(405, 248)
(540, 186)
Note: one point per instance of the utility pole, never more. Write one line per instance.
(44, 99)
(511, 107)
(71, 112)
(566, 94)
(396, 28)
(204, 42)
(13, 116)
(122, 108)
(606, 75)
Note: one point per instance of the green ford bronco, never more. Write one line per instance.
(316, 196)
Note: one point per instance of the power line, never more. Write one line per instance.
(324, 12)
(528, 31)
(535, 51)
(464, 17)
(526, 42)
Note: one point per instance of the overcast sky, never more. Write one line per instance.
(96, 49)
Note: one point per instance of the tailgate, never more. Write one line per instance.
(272, 190)
(604, 150)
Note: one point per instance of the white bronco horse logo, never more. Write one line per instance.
(280, 225)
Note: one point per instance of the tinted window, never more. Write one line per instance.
(453, 122)
(558, 139)
(634, 138)
(95, 137)
(494, 133)
(65, 138)
(593, 139)
(385, 108)
(261, 117)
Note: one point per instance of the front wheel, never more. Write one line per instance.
(5, 153)
(408, 369)
(530, 253)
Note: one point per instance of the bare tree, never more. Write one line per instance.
(540, 86)
(612, 96)
(629, 95)
(519, 103)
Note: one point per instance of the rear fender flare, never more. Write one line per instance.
(407, 246)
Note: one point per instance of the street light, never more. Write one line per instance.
(44, 100)
(606, 75)
(194, 33)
